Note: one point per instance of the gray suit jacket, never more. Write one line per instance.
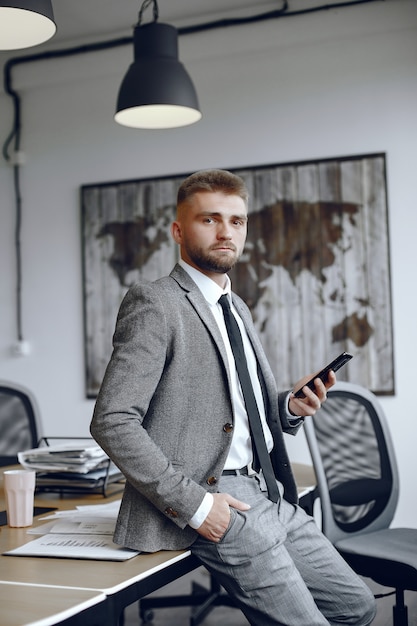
(163, 406)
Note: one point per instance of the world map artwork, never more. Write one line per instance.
(134, 244)
(314, 271)
(296, 252)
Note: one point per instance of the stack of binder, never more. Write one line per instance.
(75, 467)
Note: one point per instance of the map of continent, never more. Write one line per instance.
(298, 237)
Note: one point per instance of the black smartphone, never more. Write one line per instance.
(335, 365)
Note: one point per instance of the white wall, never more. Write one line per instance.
(336, 83)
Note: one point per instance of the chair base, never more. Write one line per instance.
(399, 610)
(202, 600)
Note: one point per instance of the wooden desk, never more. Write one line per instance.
(122, 582)
(304, 476)
(24, 605)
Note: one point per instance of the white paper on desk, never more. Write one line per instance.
(109, 510)
(83, 528)
(74, 527)
(95, 547)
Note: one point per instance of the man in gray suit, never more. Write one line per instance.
(172, 416)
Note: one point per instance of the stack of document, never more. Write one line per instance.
(71, 467)
(79, 459)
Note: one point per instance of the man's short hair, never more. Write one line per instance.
(212, 181)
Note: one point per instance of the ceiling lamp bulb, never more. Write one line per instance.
(25, 23)
(156, 92)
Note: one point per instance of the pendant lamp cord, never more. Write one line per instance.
(143, 8)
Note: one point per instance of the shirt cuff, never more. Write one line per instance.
(202, 511)
(293, 420)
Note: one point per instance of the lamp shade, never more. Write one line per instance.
(156, 92)
(25, 23)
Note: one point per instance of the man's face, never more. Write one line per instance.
(211, 231)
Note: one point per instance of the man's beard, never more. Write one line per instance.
(212, 261)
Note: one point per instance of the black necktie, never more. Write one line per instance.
(263, 459)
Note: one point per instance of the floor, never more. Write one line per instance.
(226, 616)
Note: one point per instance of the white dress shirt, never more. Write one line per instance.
(240, 453)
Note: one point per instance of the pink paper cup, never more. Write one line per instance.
(19, 489)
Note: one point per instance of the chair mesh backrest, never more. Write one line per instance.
(18, 428)
(355, 460)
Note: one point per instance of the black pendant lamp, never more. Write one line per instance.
(25, 23)
(156, 92)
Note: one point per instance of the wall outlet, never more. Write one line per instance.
(21, 348)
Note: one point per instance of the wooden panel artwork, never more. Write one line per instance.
(315, 271)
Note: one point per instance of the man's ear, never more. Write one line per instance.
(176, 232)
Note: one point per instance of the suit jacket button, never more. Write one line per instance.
(212, 480)
(228, 427)
(170, 511)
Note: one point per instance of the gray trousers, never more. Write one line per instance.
(278, 566)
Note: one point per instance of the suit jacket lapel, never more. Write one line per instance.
(253, 337)
(265, 375)
(199, 303)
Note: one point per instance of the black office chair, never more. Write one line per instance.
(358, 487)
(19, 421)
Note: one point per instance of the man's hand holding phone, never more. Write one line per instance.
(310, 392)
